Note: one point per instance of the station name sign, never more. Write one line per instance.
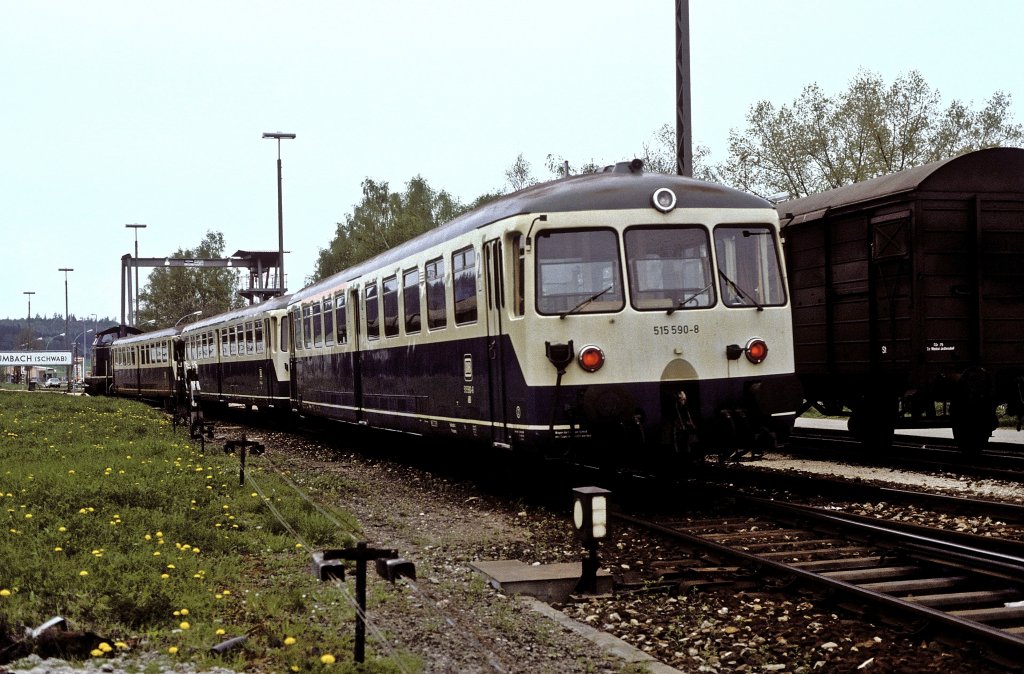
(35, 358)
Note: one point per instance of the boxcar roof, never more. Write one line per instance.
(608, 190)
(998, 169)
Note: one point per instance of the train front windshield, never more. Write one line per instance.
(668, 268)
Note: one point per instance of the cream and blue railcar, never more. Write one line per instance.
(144, 365)
(241, 357)
(621, 312)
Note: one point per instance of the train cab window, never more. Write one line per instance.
(341, 319)
(307, 326)
(372, 312)
(749, 271)
(578, 272)
(669, 268)
(318, 324)
(389, 290)
(436, 315)
(411, 299)
(328, 321)
(464, 285)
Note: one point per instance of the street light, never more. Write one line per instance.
(279, 136)
(136, 226)
(30, 293)
(84, 350)
(67, 316)
(194, 313)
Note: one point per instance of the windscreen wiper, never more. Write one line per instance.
(585, 302)
(740, 291)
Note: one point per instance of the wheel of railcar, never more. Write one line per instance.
(973, 412)
(873, 422)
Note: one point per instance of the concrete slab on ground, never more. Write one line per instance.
(551, 583)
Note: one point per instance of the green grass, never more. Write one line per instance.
(110, 520)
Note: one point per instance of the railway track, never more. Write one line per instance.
(965, 588)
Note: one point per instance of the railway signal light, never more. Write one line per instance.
(590, 516)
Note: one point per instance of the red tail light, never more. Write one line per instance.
(591, 358)
(756, 351)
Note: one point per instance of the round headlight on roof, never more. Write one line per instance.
(664, 199)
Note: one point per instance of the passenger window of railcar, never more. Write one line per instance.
(258, 336)
(232, 341)
(464, 285)
(411, 299)
(329, 321)
(578, 272)
(224, 350)
(669, 268)
(307, 326)
(297, 328)
(341, 319)
(372, 312)
(389, 289)
(318, 325)
(749, 272)
(436, 316)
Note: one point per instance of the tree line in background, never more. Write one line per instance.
(815, 143)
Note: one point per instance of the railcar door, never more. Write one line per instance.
(495, 290)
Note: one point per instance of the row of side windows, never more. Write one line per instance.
(325, 322)
(242, 339)
(151, 354)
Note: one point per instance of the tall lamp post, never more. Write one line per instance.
(29, 293)
(84, 333)
(67, 317)
(279, 136)
(136, 226)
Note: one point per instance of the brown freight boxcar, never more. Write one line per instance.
(908, 296)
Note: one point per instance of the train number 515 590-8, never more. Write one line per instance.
(677, 329)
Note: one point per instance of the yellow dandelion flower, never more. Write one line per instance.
(83, 572)
(58, 549)
(165, 576)
(105, 647)
(28, 516)
(172, 650)
(184, 625)
(288, 641)
(295, 668)
(96, 653)
(121, 646)
(5, 592)
(62, 529)
(219, 631)
(327, 659)
(184, 611)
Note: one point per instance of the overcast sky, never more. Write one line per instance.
(145, 112)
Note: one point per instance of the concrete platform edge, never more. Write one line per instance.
(603, 640)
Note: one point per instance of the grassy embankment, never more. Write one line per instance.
(125, 529)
